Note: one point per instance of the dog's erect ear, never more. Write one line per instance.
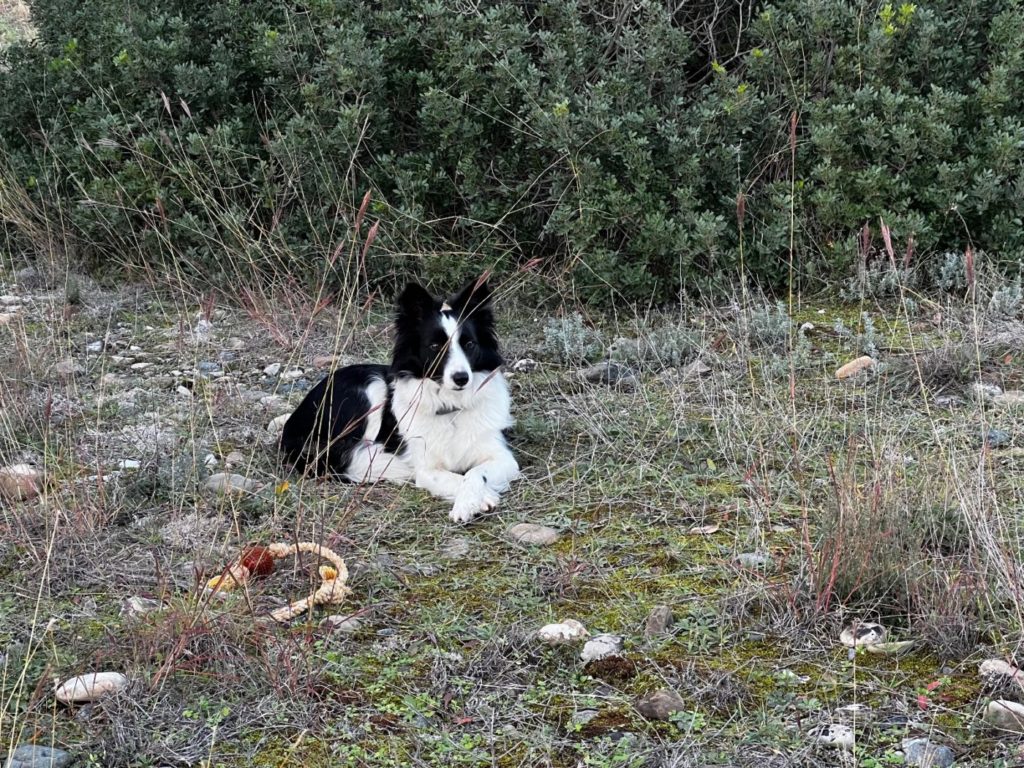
(415, 301)
(476, 295)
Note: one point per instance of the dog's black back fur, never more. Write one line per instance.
(330, 421)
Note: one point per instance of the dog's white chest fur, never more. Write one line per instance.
(453, 431)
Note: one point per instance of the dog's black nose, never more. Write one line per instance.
(460, 378)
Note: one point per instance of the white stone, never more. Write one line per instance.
(140, 366)
(138, 606)
(341, 623)
(862, 633)
(565, 631)
(273, 369)
(94, 347)
(896, 648)
(226, 483)
(704, 530)
(837, 735)
(20, 482)
(90, 687)
(983, 392)
(1005, 715)
(67, 367)
(992, 669)
(292, 375)
(276, 425)
(129, 464)
(1011, 399)
(601, 647)
(531, 533)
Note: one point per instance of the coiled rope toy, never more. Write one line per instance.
(259, 561)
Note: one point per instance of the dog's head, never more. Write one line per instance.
(452, 343)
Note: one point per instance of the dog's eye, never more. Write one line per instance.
(468, 344)
(435, 347)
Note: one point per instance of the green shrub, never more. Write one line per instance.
(196, 137)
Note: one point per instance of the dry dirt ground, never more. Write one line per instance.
(765, 503)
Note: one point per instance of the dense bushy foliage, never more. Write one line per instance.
(611, 140)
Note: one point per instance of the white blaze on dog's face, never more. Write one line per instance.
(457, 373)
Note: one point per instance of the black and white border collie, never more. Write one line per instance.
(435, 417)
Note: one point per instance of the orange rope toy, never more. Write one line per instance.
(259, 561)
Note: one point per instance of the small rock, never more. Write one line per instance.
(862, 633)
(273, 369)
(210, 461)
(660, 705)
(601, 646)
(996, 438)
(994, 670)
(325, 361)
(525, 365)
(111, 380)
(922, 753)
(276, 425)
(202, 331)
(139, 606)
(531, 533)
(704, 530)
(226, 483)
(20, 482)
(339, 623)
(854, 712)
(896, 648)
(566, 631)
(456, 548)
(90, 687)
(581, 717)
(837, 735)
(1012, 399)
(234, 458)
(753, 560)
(697, 368)
(612, 374)
(983, 392)
(852, 368)
(948, 401)
(37, 756)
(67, 367)
(140, 366)
(1005, 715)
(658, 621)
(94, 347)
(208, 368)
(183, 391)
(7, 300)
(129, 464)
(293, 375)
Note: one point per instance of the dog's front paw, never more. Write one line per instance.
(472, 499)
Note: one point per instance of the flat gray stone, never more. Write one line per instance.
(660, 705)
(658, 621)
(37, 756)
(611, 374)
(753, 560)
(924, 754)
